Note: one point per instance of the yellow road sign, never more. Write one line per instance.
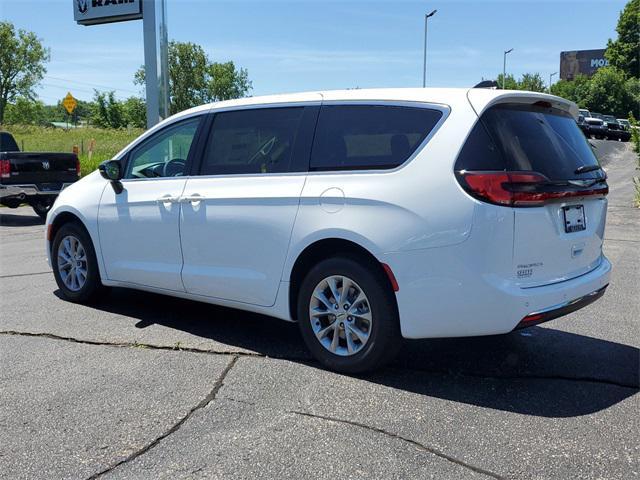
(69, 103)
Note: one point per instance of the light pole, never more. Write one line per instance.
(504, 67)
(550, 80)
(424, 63)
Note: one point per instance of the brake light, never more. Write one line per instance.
(77, 166)
(5, 168)
(520, 189)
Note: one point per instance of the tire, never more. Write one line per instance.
(42, 206)
(78, 292)
(383, 329)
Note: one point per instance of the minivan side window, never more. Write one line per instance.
(252, 141)
(361, 137)
(165, 153)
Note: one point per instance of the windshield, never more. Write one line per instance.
(539, 139)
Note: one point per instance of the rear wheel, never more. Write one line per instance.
(74, 264)
(42, 206)
(348, 316)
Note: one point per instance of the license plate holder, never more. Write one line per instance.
(574, 220)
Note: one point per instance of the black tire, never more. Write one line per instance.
(384, 336)
(42, 206)
(92, 286)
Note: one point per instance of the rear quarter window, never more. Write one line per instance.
(358, 137)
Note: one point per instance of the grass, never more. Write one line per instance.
(108, 142)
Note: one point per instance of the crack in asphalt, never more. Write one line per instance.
(621, 240)
(309, 362)
(24, 274)
(397, 436)
(202, 404)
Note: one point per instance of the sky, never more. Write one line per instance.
(321, 45)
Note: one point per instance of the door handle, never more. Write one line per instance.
(193, 198)
(167, 199)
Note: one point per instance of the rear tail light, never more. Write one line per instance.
(77, 166)
(521, 189)
(5, 168)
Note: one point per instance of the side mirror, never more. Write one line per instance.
(112, 170)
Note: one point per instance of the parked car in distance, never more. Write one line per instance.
(625, 123)
(364, 215)
(584, 127)
(595, 127)
(35, 178)
(615, 131)
(584, 112)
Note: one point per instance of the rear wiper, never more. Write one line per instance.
(587, 168)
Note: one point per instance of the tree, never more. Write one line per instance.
(22, 59)
(25, 112)
(609, 92)
(194, 79)
(623, 52)
(107, 112)
(134, 110)
(510, 82)
(532, 82)
(574, 90)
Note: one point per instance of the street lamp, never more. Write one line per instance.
(424, 64)
(504, 67)
(550, 77)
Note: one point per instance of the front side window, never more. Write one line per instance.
(165, 153)
(369, 136)
(252, 141)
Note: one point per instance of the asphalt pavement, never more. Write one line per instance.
(145, 386)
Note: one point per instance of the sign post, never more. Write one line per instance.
(156, 49)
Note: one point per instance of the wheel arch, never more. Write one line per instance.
(327, 248)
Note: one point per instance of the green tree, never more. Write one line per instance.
(623, 52)
(25, 112)
(107, 111)
(22, 59)
(194, 79)
(510, 82)
(609, 92)
(532, 82)
(134, 110)
(574, 90)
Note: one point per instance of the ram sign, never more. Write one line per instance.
(581, 62)
(93, 12)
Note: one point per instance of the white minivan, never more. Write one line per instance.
(364, 215)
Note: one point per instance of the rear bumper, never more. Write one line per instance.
(442, 295)
(27, 190)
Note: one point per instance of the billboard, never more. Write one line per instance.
(581, 62)
(93, 12)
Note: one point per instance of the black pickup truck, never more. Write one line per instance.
(34, 178)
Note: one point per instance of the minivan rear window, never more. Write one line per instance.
(360, 137)
(529, 138)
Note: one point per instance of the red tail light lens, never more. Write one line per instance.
(521, 189)
(5, 168)
(78, 166)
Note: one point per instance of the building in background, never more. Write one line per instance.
(581, 62)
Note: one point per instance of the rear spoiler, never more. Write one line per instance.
(483, 98)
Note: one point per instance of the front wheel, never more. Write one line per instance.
(348, 316)
(74, 264)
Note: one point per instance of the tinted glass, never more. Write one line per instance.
(528, 138)
(252, 141)
(7, 143)
(165, 153)
(365, 137)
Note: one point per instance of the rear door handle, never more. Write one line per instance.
(167, 199)
(193, 198)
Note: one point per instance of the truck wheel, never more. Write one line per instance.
(74, 263)
(348, 316)
(42, 206)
